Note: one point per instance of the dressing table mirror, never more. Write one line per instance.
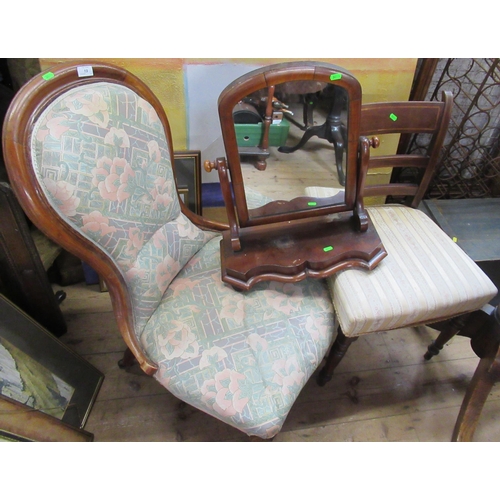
(281, 122)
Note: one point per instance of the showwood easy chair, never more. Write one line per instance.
(426, 277)
(89, 154)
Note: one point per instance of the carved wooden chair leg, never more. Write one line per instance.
(337, 352)
(448, 332)
(128, 359)
(486, 375)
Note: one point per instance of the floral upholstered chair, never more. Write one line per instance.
(89, 153)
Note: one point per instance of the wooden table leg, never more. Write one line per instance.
(486, 375)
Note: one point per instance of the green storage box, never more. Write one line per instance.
(250, 134)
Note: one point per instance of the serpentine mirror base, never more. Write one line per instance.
(293, 251)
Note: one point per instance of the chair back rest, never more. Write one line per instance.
(90, 159)
(412, 117)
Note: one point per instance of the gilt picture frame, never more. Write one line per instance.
(187, 170)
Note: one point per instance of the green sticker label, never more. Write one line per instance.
(328, 249)
(336, 76)
(393, 117)
(48, 76)
(312, 203)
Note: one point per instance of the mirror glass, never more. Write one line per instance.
(292, 144)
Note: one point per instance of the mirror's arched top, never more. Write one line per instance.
(299, 79)
(281, 72)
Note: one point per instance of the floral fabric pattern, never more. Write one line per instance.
(242, 357)
(101, 155)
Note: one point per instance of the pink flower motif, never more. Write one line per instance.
(148, 110)
(284, 297)
(112, 178)
(223, 393)
(233, 307)
(186, 228)
(64, 196)
(42, 134)
(96, 223)
(166, 271)
(181, 284)
(136, 239)
(179, 342)
(256, 342)
(55, 128)
(135, 272)
(159, 239)
(211, 356)
(287, 374)
(161, 194)
(90, 104)
(317, 328)
(154, 151)
(117, 137)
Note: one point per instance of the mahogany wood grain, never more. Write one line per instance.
(293, 251)
(280, 209)
(227, 195)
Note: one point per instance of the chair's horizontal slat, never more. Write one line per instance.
(400, 117)
(392, 189)
(417, 161)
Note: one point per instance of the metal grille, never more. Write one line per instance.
(469, 166)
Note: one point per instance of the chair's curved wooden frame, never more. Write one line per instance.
(26, 107)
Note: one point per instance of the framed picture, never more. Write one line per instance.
(42, 373)
(19, 423)
(187, 170)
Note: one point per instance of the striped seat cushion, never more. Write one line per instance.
(426, 277)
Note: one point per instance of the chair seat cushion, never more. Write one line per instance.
(426, 277)
(242, 357)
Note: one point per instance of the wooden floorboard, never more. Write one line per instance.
(383, 391)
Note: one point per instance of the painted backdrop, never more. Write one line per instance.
(189, 89)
